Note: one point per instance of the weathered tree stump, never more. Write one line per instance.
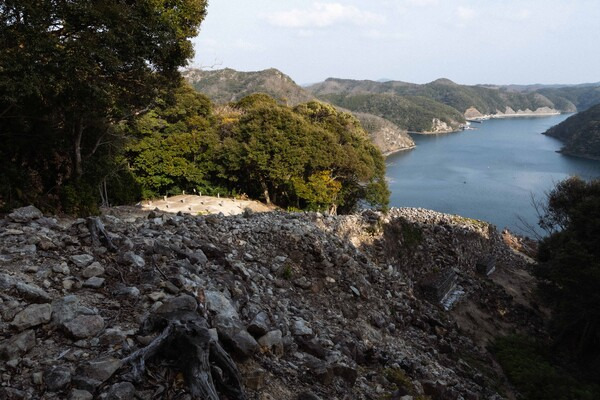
(185, 340)
(99, 234)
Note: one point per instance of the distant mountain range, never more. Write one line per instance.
(388, 109)
(383, 99)
(581, 133)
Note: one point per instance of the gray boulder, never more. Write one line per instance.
(25, 214)
(92, 270)
(34, 315)
(57, 378)
(244, 344)
(84, 326)
(32, 292)
(121, 391)
(17, 346)
(220, 305)
(82, 260)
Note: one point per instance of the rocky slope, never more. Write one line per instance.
(227, 85)
(581, 134)
(366, 306)
(387, 136)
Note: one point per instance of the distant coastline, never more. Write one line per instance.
(435, 133)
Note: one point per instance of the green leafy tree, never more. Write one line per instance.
(300, 157)
(570, 268)
(175, 146)
(311, 157)
(70, 72)
(321, 191)
(354, 160)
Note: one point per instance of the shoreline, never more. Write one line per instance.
(435, 133)
(389, 153)
(571, 154)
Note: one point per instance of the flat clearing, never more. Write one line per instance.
(195, 205)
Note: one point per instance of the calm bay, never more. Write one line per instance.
(490, 173)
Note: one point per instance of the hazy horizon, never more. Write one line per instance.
(524, 42)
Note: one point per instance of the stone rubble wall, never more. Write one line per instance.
(309, 306)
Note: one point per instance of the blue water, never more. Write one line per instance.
(490, 173)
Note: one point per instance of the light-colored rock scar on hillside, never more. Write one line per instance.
(473, 113)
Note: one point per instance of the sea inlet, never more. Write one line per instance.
(490, 173)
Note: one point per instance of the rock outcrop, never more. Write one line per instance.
(306, 306)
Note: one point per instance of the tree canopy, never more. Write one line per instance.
(70, 71)
(308, 157)
(570, 267)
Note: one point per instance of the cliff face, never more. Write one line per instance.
(581, 134)
(308, 306)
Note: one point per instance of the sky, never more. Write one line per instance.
(467, 41)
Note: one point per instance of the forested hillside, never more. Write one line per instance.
(487, 100)
(580, 133)
(414, 113)
(72, 74)
(225, 85)
(94, 111)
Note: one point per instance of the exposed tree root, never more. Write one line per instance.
(185, 339)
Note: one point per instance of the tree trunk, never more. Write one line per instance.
(333, 209)
(265, 189)
(78, 136)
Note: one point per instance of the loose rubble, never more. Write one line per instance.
(309, 306)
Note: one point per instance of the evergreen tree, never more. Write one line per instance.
(570, 268)
(70, 72)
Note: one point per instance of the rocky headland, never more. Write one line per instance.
(283, 305)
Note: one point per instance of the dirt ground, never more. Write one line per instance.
(191, 204)
(194, 204)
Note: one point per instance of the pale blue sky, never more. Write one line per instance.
(468, 41)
